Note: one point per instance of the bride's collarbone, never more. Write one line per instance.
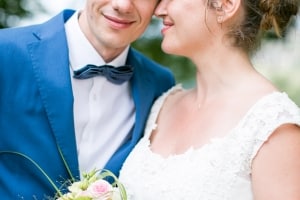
(178, 130)
(179, 136)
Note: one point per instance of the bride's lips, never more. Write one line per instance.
(166, 26)
(118, 23)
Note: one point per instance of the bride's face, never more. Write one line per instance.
(185, 25)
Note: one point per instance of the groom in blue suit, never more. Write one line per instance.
(53, 126)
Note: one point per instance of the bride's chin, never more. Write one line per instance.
(168, 48)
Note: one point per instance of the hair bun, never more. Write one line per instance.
(276, 14)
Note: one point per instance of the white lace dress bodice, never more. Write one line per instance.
(219, 170)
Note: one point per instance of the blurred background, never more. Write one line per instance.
(277, 59)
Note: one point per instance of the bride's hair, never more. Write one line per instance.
(261, 16)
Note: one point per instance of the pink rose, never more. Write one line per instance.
(100, 188)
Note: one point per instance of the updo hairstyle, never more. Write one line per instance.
(261, 16)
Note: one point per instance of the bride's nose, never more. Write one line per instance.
(161, 10)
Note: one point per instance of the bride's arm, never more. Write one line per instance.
(276, 167)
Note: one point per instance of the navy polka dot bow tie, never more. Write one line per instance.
(116, 75)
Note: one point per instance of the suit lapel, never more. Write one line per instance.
(51, 67)
(141, 92)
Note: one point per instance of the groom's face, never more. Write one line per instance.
(116, 23)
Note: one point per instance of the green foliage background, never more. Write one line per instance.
(182, 67)
(12, 11)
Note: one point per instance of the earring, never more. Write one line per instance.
(220, 19)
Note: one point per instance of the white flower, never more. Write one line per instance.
(75, 187)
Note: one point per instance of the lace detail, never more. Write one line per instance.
(219, 170)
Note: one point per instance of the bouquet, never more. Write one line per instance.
(93, 186)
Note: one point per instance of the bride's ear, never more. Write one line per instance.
(226, 9)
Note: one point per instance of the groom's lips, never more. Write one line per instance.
(118, 23)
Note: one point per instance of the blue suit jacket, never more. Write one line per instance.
(36, 108)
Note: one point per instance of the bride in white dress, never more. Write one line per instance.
(232, 137)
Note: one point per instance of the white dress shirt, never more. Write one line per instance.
(104, 113)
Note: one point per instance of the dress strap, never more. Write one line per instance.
(152, 119)
(266, 116)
